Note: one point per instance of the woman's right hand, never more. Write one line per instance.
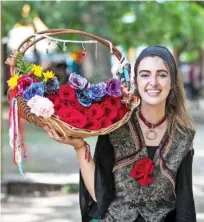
(75, 142)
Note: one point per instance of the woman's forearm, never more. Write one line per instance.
(87, 169)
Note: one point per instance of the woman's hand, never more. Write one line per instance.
(75, 142)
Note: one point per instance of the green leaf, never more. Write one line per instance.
(23, 67)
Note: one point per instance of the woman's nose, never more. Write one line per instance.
(153, 80)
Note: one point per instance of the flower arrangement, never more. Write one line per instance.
(78, 103)
(78, 108)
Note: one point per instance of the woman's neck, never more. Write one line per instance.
(153, 113)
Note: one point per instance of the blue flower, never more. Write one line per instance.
(36, 88)
(51, 86)
(84, 98)
(97, 91)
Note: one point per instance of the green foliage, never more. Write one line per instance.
(23, 66)
(190, 56)
(71, 188)
(178, 24)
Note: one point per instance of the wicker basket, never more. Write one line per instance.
(61, 127)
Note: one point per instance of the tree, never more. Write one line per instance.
(176, 24)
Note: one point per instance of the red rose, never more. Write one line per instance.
(83, 110)
(77, 106)
(93, 124)
(110, 111)
(143, 170)
(74, 104)
(115, 101)
(64, 113)
(105, 122)
(72, 117)
(56, 101)
(58, 104)
(52, 97)
(66, 93)
(95, 111)
(121, 112)
(79, 122)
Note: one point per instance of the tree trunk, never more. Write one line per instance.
(97, 69)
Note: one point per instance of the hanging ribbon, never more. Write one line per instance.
(15, 135)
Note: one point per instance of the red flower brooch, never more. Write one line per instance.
(143, 170)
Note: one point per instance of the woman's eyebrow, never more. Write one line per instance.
(144, 71)
(162, 70)
(159, 70)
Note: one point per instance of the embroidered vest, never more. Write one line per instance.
(156, 200)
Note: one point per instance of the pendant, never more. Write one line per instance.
(151, 134)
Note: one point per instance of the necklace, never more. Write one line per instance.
(151, 134)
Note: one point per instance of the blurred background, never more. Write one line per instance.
(50, 192)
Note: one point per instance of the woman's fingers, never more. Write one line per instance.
(68, 140)
(55, 136)
(49, 132)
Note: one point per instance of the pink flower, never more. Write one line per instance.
(24, 82)
(41, 106)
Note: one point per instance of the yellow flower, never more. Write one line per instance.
(13, 81)
(48, 75)
(37, 70)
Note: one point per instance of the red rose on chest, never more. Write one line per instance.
(143, 170)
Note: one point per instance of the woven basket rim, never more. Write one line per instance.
(31, 40)
(64, 128)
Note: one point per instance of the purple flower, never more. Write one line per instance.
(84, 98)
(97, 91)
(113, 88)
(34, 89)
(51, 86)
(77, 81)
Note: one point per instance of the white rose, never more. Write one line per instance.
(41, 106)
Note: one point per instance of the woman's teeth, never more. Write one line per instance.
(153, 92)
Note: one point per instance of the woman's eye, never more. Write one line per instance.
(144, 75)
(163, 75)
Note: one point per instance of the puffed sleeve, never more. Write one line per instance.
(185, 206)
(104, 182)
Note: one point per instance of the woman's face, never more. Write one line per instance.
(153, 80)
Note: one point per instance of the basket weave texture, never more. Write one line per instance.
(54, 122)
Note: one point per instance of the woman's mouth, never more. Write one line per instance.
(153, 92)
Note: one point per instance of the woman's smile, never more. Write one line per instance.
(153, 92)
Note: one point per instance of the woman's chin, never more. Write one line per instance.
(154, 101)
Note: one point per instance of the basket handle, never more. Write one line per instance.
(28, 42)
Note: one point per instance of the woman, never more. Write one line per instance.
(142, 171)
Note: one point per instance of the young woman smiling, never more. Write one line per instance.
(142, 172)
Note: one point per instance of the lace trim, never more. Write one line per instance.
(124, 161)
